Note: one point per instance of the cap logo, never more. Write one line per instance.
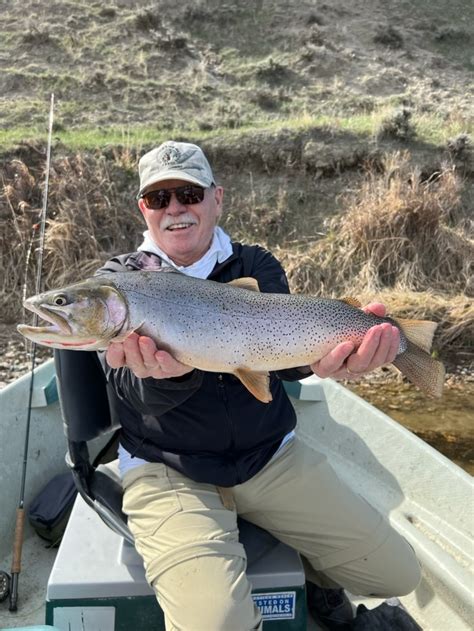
(173, 157)
(169, 155)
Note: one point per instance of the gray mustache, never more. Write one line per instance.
(182, 219)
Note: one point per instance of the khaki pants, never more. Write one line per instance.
(196, 565)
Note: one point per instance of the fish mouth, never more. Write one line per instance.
(58, 323)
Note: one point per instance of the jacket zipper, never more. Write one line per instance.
(223, 394)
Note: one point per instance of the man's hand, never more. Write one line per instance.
(379, 347)
(139, 353)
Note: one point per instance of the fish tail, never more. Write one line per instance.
(421, 369)
(419, 332)
(416, 362)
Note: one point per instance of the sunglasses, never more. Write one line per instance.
(187, 195)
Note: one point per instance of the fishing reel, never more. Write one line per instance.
(4, 586)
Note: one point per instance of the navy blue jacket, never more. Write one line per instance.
(205, 425)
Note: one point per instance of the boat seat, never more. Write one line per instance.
(87, 406)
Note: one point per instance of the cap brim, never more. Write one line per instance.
(173, 175)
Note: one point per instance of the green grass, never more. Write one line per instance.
(436, 130)
(431, 129)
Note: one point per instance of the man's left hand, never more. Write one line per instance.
(379, 347)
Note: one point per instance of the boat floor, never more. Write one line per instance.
(37, 561)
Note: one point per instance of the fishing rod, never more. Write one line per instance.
(20, 513)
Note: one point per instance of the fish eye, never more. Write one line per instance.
(60, 300)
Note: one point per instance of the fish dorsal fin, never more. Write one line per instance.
(258, 383)
(245, 283)
(349, 300)
(419, 332)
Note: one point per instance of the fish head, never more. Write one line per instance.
(84, 316)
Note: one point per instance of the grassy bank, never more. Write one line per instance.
(429, 129)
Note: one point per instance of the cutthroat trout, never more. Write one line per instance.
(220, 327)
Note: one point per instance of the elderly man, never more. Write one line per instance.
(186, 432)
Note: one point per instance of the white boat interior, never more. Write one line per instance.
(427, 498)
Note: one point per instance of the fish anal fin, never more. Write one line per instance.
(421, 369)
(245, 283)
(258, 383)
(419, 332)
(350, 300)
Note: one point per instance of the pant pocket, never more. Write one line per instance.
(149, 501)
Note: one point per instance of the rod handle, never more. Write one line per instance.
(18, 540)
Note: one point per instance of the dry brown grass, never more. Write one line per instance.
(454, 315)
(400, 238)
(397, 230)
(87, 222)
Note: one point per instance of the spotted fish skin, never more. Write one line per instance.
(220, 327)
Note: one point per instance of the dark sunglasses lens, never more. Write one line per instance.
(190, 194)
(155, 200)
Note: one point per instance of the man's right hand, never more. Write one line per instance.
(141, 356)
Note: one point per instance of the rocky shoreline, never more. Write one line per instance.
(15, 355)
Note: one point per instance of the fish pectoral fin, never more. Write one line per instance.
(245, 283)
(420, 332)
(258, 383)
(123, 336)
(352, 301)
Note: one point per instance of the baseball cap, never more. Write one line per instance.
(174, 161)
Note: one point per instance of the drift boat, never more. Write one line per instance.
(95, 581)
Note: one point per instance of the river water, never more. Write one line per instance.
(447, 424)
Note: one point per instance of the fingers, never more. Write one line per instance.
(133, 356)
(333, 362)
(115, 356)
(379, 347)
(147, 350)
(376, 349)
(377, 308)
(140, 355)
(170, 366)
(387, 348)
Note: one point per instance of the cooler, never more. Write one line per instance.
(98, 583)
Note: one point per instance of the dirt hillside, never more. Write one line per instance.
(211, 65)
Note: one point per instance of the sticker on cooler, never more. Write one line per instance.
(276, 605)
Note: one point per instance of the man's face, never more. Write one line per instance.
(184, 232)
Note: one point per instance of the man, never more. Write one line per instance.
(186, 432)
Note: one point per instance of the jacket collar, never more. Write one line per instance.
(150, 261)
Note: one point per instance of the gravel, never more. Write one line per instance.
(15, 355)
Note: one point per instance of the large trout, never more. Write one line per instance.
(220, 327)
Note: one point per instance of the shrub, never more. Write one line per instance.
(398, 126)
